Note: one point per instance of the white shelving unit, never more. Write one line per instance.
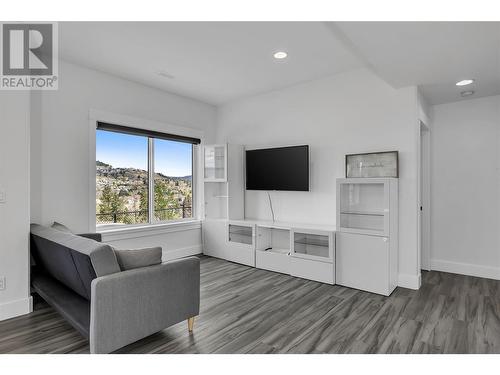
(223, 168)
(367, 237)
(223, 188)
(306, 251)
(362, 252)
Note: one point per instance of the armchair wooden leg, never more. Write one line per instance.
(190, 324)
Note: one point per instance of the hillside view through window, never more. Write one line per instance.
(122, 179)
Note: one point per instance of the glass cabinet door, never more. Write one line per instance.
(364, 207)
(312, 245)
(215, 162)
(240, 234)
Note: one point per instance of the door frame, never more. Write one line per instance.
(424, 199)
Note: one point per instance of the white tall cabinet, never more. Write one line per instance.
(367, 234)
(223, 168)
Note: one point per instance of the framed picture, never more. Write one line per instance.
(373, 164)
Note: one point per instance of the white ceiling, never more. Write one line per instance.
(212, 61)
(432, 55)
(217, 62)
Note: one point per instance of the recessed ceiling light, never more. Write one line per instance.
(280, 55)
(467, 93)
(464, 82)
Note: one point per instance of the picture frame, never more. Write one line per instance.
(372, 165)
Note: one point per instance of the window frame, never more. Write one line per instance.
(96, 116)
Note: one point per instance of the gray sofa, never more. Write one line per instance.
(81, 278)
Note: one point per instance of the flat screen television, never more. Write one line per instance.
(283, 168)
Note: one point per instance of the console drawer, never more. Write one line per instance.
(273, 260)
(323, 272)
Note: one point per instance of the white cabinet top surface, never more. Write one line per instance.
(285, 225)
(364, 180)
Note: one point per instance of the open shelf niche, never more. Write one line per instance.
(276, 240)
(273, 248)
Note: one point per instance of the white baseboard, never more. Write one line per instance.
(409, 281)
(182, 252)
(466, 269)
(16, 308)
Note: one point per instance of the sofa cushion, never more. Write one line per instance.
(74, 261)
(130, 259)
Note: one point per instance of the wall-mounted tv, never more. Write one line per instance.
(283, 168)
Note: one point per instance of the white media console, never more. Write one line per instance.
(298, 250)
(360, 252)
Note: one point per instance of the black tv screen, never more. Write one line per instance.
(284, 168)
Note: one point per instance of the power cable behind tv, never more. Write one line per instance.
(271, 205)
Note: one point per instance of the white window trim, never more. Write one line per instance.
(145, 230)
(96, 116)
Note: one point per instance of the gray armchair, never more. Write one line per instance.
(127, 306)
(82, 280)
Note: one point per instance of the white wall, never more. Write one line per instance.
(61, 140)
(14, 213)
(346, 113)
(465, 187)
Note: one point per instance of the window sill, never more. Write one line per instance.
(147, 229)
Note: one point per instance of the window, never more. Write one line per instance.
(122, 178)
(136, 170)
(173, 192)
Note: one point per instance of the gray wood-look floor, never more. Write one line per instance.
(247, 310)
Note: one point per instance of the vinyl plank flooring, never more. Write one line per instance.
(457, 339)
(339, 328)
(312, 309)
(424, 348)
(402, 338)
(247, 310)
(261, 348)
(379, 328)
(489, 321)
